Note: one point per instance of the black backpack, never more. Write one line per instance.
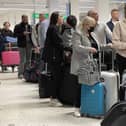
(116, 116)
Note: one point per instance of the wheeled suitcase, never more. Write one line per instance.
(112, 82)
(93, 100)
(10, 58)
(69, 87)
(93, 96)
(45, 81)
(116, 116)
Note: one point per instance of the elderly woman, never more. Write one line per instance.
(81, 53)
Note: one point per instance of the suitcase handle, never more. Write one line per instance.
(102, 50)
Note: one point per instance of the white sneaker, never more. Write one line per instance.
(77, 112)
(55, 103)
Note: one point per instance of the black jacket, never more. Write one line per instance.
(18, 32)
(110, 25)
(53, 49)
(5, 32)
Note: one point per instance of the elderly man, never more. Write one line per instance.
(101, 32)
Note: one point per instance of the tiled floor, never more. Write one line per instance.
(20, 106)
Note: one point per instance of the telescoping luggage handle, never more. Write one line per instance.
(102, 53)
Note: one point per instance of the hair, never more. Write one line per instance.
(54, 18)
(113, 10)
(6, 22)
(23, 16)
(42, 15)
(72, 21)
(87, 20)
(90, 12)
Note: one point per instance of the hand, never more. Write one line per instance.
(37, 49)
(109, 45)
(93, 50)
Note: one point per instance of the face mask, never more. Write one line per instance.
(91, 29)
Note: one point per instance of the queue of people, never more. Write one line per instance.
(61, 44)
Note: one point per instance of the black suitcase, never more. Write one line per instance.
(45, 79)
(116, 116)
(68, 88)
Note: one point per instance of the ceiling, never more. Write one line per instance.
(41, 4)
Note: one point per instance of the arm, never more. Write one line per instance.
(116, 39)
(43, 30)
(34, 37)
(76, 40)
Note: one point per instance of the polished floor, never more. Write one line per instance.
(21, 106)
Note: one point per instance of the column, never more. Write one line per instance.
(75, 8)
(52, 5)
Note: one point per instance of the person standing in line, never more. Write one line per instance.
(101, 30)
(42, 30)
(82, 49)
(53, 55)
(114, 19)
(23, 32)
(101, 33)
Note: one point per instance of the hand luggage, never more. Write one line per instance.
(45, 80)
(32, 71)
(10, 58)
(93, 100)
(93, 97)
(116, 116)
(68, 87)
(112, 82)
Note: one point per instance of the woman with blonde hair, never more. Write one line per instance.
(82, 47)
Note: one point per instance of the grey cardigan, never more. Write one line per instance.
(81, 56)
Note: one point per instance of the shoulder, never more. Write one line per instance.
(18, 25)
(109, 22)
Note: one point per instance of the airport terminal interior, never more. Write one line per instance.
(20, 103)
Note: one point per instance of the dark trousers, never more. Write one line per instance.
(78, 94)
(121, 64)
(56, 70)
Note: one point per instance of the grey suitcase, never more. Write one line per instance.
(112, 82)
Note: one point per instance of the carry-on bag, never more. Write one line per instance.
(93, 100)
(112, 82)
(32, 71)
(116, 116)
(45, 79)
(10, 59)
(93, 96)
(68, 88)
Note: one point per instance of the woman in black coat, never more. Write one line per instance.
(53, 55)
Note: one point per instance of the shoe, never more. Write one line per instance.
(20, 76)
(55, 103)
(77, 112)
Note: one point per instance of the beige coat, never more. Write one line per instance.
(119, 38)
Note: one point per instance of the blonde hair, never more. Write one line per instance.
(87, 21)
